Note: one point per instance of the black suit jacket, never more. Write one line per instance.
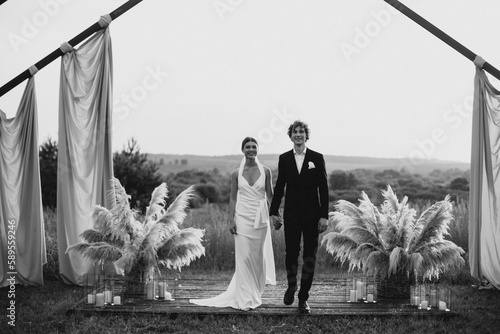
(306, 193)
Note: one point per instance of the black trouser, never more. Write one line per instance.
(294, 232)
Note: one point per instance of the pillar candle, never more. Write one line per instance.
(150, 291)
(108, 296)
(442, 306)
(360, 288)
(352, 295)
(168, 295)
(161, 289)
(91, 298)
(424, 304)
(117, 300)
(99, 299)
(369, 298)
(416, 301)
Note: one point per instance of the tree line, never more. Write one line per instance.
(140, 176)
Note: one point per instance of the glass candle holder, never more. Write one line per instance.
(424, 297)
(163, 288)
(100, 287)
(177, 284)
(90, 288)
(433, 296)
(415, 295)
(360, 289)
(370, 291)
(151, 289)
(109, 286)
(444, 298)
(351, 290)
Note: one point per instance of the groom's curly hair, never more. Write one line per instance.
(301, 124)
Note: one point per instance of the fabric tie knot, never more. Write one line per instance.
(33, 69)
(66, 47)
(479, 61)
(105, 20)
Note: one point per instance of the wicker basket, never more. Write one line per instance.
(394, 287)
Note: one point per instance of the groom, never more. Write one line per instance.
(302, 172)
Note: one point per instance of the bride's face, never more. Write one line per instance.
(250, 150)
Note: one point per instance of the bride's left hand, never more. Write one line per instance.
(232, 229)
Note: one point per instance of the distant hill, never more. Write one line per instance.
(174, 163)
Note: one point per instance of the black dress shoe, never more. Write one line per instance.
(289, 296)
(304, 307)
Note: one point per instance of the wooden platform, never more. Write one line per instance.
(327, 298)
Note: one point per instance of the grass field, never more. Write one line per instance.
(43, 309)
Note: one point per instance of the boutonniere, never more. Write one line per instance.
(311, 165)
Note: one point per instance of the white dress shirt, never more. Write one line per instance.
(299, 158)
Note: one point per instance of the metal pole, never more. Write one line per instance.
(442, 35)
(73, 42)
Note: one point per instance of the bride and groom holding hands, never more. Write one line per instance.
(254, 207)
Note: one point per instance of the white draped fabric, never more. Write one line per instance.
(22, 237)
(484, 202)
(253, 248)
(85, 161)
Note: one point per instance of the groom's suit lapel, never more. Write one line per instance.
(294, 163)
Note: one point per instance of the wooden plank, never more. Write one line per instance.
(327, 299)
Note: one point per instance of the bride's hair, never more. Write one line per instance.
(247, 140)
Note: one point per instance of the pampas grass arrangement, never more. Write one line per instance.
(391, 241)
(135, 246)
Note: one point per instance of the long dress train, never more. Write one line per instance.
(253, 248)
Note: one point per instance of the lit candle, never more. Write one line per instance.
(352, 296)
(442, 306)
(424, 304)
(168, 295)
(117, 300)
(99, 299)
(91, 299)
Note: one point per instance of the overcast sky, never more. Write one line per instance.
(196, 77)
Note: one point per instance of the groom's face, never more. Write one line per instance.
(298, 135)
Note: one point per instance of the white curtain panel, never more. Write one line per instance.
(22, 235)
(85, 162)
(484, 199)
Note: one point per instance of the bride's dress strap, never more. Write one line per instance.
(262, 214)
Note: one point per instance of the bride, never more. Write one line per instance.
(251, 193)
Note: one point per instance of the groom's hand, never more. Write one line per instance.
(322, 225)
(276, 222)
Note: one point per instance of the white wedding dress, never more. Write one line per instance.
(253, 248)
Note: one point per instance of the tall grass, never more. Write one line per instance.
(219, 243)
(51, 268)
